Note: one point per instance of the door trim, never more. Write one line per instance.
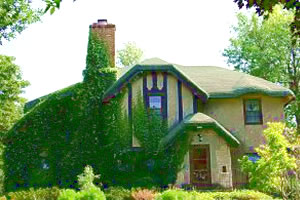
(203, 146)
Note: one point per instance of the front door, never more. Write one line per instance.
(200, 165)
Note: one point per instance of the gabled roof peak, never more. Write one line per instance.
(154, 61)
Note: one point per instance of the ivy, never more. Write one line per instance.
(72, 128)
(61, 135)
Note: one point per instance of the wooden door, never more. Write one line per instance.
(200, 165)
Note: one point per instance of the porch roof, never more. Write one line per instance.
(199, 121)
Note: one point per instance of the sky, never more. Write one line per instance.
(51, 53)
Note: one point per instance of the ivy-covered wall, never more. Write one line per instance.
(72, 128)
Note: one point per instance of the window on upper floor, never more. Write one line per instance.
(155, 104)
(253, 111)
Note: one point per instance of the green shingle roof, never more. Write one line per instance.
(215, 82)
(209, 81)
(199, 121)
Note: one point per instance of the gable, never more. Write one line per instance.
(142, 68)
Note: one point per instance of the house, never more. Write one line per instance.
(224, 111)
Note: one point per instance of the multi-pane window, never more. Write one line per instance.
(253, 113)
(155, 104)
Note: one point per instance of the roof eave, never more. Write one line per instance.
(182, 126)
(221, 131)
(138, 69)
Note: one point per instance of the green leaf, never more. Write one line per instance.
(52, 10)
(57, 2)
(47, 8)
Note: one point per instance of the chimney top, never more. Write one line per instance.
(105, 32)
(102, 23)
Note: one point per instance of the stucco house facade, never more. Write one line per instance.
(224, 111)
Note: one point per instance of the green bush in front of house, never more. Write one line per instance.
(88, 191)
(117, 193)
(40, 194)
(276, 170)
(176, 194)
(89, 194)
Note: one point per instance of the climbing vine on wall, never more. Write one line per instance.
(72, 128)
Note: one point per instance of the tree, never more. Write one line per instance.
(276, 166)
(265, 48)
(15, 15)
(11, 85)
(130, 55)
(266, 6)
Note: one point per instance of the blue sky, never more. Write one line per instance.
(52, 53)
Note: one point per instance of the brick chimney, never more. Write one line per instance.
(107, 33)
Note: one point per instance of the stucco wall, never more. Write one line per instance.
(137, 92)
(187, 101)
(125, 100)
(230, 113)
(219, 157)
(172, 92)
(137, 89)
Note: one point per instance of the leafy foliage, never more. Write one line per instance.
(130, 55)
(40, 194)
(146, 166)
(87, 188)
(11, 85)
(86, 179)
(265, 48)
(61, 133)
(143, 194)
(15, 15)
(97, 57)
(118, 193)
(269, 172)
(267, 6)
(75, 127)
(176, 194)
(148, 127)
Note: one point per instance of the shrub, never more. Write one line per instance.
(268, 173)
(194, 195)
(118, 193)
(40, 194)
(88, 190)
(248, 195)
(174, 195)
(201, 196)
(143, 194)
(67, 194)
(241, 195)
(93, 193)
(86, 179)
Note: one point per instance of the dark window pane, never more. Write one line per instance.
(253, 112)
